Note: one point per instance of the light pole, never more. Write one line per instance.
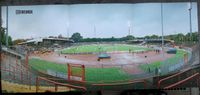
(95, 31)
(190, 18)
(68, 30)
(162, 27)
(129, 28)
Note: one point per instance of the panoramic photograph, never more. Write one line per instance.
(106, 47)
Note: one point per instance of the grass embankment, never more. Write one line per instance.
(91, 74)
(170, 61)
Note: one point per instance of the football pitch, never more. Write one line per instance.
(95, 48)
(110, 74)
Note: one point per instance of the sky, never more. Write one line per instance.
(108, 19)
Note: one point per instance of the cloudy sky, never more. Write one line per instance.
(109, 19)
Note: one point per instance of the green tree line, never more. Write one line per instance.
(181, 38)
(3, 37)
(178, 38)
(78, 38)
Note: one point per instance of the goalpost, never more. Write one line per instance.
(76, 72)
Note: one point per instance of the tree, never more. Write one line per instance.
(154, 37)
(129, 37)
(76, 37)
(170, 37)
(3, 37)
(180, 37)
(147, 37)
(10, 40)
(195, 36)
(3, 41)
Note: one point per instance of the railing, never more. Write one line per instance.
(178, 63)
(172, 76)
(117, 86)
(8, 50)
(183, 81)
(56, 84)
(123, 83)
(13, 76)
(10, 72)
(14, 71)
(178, 76)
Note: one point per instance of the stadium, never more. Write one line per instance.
(109, 65)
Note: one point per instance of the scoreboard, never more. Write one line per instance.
(24, 12)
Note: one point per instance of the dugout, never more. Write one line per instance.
(172, 51)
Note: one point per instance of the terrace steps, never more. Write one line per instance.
(21, 88)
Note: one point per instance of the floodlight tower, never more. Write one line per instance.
(95, 36)
(95, 31)
(162, 27)
(129, 28)
(190, 17)
(68, 30)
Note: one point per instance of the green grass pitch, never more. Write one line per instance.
(92, 74)
(101, 74)
(170, 61)
(103, 48)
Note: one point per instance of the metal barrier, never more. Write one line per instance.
(183, 81)
(14, 71)
(57, 84)
(116, 86)
(13, 76)
(178, 76)
(124, 83)
(172, 76)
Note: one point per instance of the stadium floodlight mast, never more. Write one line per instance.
(95, 31)
(161, 5)
(68, 23)
(129, 28)
(190, 17)
(68, 30)
(95, 36)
